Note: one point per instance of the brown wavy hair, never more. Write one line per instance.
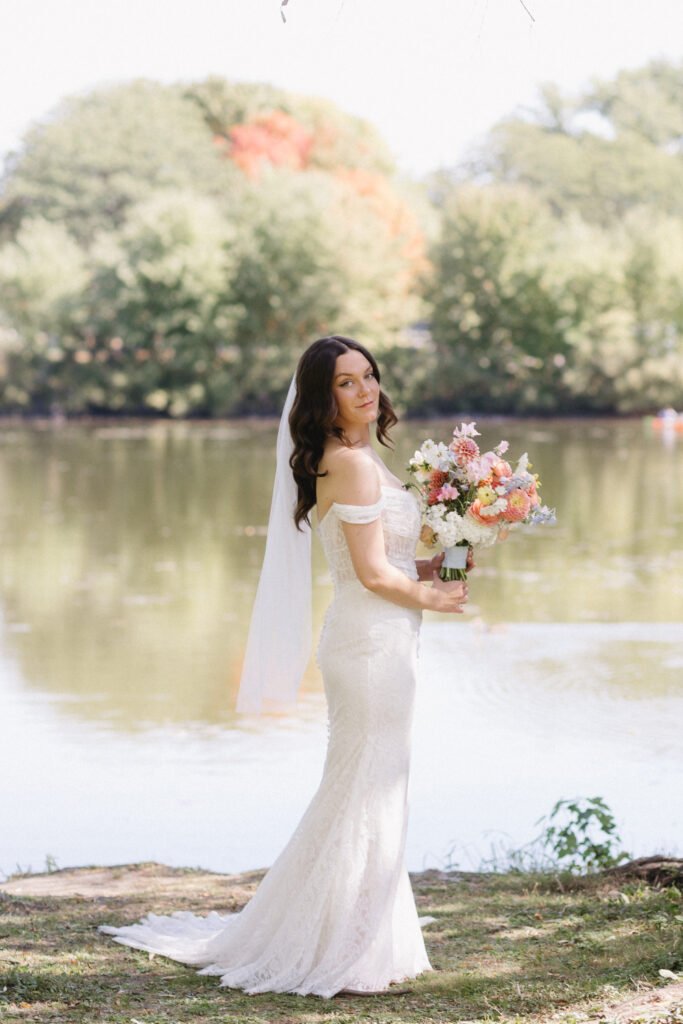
(311, 420)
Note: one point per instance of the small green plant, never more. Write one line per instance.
(582, 835)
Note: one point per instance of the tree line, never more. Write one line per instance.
(170, 250)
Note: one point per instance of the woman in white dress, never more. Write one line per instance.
(336, 911)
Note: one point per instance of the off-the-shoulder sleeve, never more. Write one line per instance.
(359, 513)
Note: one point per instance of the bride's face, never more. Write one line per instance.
(355, 389)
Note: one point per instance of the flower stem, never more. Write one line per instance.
(452, 574)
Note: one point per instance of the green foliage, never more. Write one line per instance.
(646, 102)
(611, 150)
(43, 273)
(145, 271)
(100, 153)
(580, 836)
(315, 255)
(153, 260)
(498, 322)
(556, 283)
(586, 839)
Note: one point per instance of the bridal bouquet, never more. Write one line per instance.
(472, 498)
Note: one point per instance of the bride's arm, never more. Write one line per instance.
(356, 483)
(366, 544)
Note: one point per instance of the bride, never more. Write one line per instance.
(336, 911)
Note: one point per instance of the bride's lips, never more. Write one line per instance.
(366, 404)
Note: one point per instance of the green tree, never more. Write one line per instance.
(100, 153)
(498, 321)
(556, 277)
(316, 255)
(140, 325)
(646, 102)
(616, 147)
(147, 268)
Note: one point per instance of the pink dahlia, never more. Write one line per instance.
(464, 449)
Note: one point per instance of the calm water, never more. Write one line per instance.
(129, 559)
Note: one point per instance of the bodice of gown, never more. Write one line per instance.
(400, 515)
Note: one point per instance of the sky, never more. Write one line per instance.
(432, 75)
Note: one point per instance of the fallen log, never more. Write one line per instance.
(656, 870)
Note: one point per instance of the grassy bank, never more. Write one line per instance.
(514, 947)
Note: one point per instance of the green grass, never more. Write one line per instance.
(515, 947)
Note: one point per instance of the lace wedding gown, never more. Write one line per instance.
(336, 910)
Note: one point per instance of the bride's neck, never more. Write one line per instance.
(358, 438)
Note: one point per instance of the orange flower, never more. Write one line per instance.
(474, 511)
(270, 138)
(437, 479)
(518, 506)
(533, 494)
(501, 469)
(427, 535)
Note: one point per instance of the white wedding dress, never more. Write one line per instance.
(336, 910)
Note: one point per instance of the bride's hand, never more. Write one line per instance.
(452, 594)
(426, 567)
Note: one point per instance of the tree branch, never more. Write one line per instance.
(521, 2)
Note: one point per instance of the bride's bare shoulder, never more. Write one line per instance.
(351, 476)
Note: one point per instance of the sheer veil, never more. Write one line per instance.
(279, 641)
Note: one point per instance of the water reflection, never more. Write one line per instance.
(131, 553)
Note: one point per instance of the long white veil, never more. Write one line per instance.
(279, 641)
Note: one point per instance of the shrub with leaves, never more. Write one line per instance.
(582, 835)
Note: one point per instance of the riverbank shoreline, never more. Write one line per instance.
(524, 948)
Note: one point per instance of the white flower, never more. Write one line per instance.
(434, 457)
(431, 453)
(435, 514)
(466, 430)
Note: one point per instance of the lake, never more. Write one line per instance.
(129, 560)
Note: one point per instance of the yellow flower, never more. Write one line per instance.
(486, 495)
